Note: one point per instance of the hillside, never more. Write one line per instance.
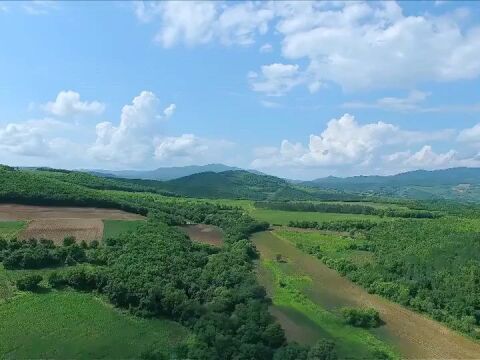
(228, 184)
(454, 184)
(165, 173)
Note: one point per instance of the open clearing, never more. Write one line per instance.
(414, 335)
(72, 325)
(207, 234)
(56, 223)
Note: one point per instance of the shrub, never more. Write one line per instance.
(322, 350)
(365, 318)
(29, 282)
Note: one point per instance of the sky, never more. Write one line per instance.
(294, 89)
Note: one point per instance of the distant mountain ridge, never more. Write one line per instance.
(168, 173)
(455, 183)
(452, 176)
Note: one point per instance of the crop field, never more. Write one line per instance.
(10, 229)
(58, 229)
(66, 325)
(113, 228)
(56, 223)
(279, 217)
(303, 289)
(206, 234)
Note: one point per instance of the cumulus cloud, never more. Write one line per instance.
(131, 141)
(32, 138)
(356, 45)
(345, 142)
(68, 103)
(470, 135)
(186, 145)
(199, 22)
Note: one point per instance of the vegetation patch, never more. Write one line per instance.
(351, 342)
(365, 318)
(70, 325)
(11, 229)
(114, 228)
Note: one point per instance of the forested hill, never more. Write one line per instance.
(238, 184)
(454, 183)
(165, 173)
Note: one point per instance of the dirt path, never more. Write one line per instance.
(416, 336)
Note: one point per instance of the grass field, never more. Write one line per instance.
(66, 324)
(278, 217)
(10, 229)
(113, 228)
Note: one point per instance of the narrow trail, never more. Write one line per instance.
(414, 335)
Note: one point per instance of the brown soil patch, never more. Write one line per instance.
(207, 234)
(55, 222)
(416, 336)
(9, 212)
(58, 229)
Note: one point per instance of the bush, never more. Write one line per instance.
(366, 318)
(322, 350)
(29, 282)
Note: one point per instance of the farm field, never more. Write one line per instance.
(10, 229)
(66, 325)
(112, 228)
(317, 292)
(56, 223)
(206, 234)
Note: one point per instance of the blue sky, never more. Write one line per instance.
(301, 89)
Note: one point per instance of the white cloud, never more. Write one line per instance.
(266, 48)
(411, 102)
(275, 79)
(169, 110)
(199, 22)
(471, 135)
(345, 142)
(130, 142)
(186, 145)
(32, 138)
(68, 103)
(39, 7)
(365, 45)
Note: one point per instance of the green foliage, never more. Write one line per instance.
(72, 325)
(29, 282)
(114, 228)
(366, 318)
(10, 230)
(322, 350)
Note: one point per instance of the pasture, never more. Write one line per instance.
(67, 325)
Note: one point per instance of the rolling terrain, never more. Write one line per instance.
(315, 251)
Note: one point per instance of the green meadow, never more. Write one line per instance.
(68, 324)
